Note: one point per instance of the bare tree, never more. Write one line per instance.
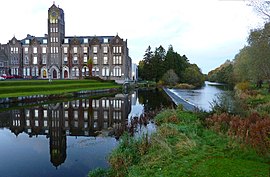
(262, 7)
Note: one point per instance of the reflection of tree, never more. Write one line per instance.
(153, 99)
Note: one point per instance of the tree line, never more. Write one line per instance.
(169, 67)
(251, 64)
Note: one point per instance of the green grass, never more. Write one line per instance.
(43, 87)
(182, 146)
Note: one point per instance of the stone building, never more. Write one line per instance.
(58, 56)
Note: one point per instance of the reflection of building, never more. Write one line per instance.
(3, 61)
(85, 117)
(58, 56)
(134, 72)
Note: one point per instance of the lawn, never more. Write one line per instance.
(16, 88)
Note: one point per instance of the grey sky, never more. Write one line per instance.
(208, 32)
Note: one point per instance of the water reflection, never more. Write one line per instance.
(73, 136)
(85, 117)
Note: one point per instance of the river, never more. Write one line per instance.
(71, 137)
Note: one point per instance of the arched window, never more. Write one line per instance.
(95, 71)
(75, 72)
(105, 71)
(117, 71)
(85, 71)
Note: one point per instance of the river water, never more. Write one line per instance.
(69, 138)
(203, 97)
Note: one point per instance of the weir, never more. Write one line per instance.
(177, 100)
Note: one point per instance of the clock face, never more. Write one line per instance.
(54, 15)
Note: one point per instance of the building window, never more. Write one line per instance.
(56, 39)
(95, 60)
(105, 49)
(16, 50)
(84, 49)
(65, 58)
(34, 49)
(66, 41)
(117, 49)
(43, 49)
(26, 60)
(26, 50)
(44, 58)
(56, 30)
(44, 41)
(85, 40)
(117, 71)
(85, 71)
(27, 41)
(65, 49)
(85, 58)
(35, 60)
(95, 49)
(56, 49)
(75, 49)
(75, 71)
(75, 59)
(105, 60)
(105, 40)
(95, 71)
(105, 71)
(35, 71)
(117, 60)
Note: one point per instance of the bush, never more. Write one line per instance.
(253, 130)
(243, 86)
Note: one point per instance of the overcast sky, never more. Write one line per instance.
(208, 32)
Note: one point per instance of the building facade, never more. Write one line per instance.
(58, 56)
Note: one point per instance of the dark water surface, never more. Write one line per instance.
(70, 138)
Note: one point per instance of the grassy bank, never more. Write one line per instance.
(184, 146)
(15, 88)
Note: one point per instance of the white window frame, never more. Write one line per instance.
(75, 49)
(26, 50)
(44, 50)
(95, 49)
(105, 49)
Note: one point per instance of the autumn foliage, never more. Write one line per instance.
(253, 130)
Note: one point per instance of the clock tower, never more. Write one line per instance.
(56, 34)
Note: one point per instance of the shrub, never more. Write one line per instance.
(243, 86)
(253, 130)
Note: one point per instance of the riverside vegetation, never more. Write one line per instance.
(224, 142)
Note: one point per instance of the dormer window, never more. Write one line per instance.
(66, 41)
(105, 40)
(27, 41)
(85, 40)
(45, 41)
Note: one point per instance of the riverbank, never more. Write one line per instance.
(36, 90)
(183, 146)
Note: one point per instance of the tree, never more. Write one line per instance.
(193, 75)
(90, 65)
(262, 7)
(170, 77)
